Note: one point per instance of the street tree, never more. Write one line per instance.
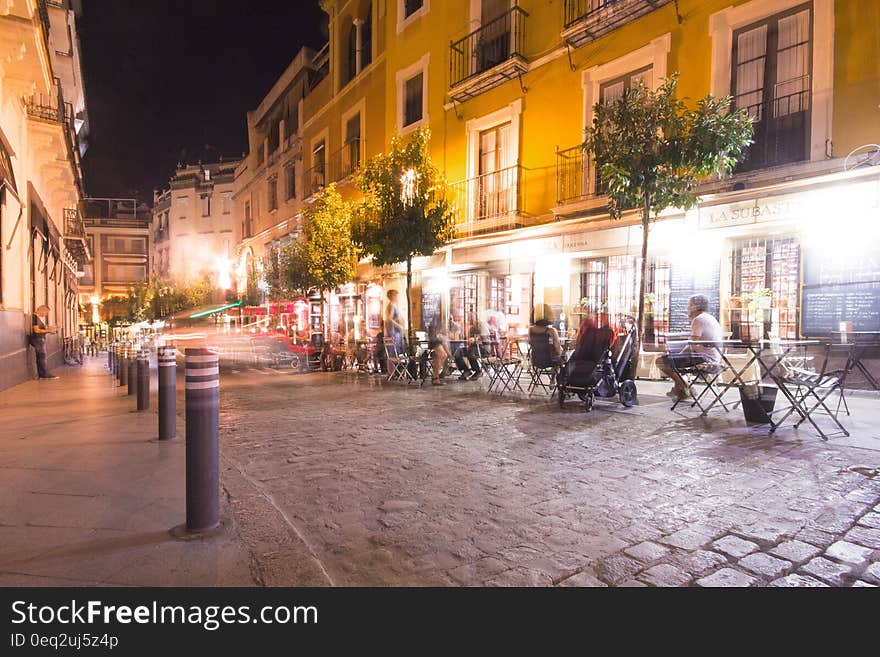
(651, 150)
(326, 257)
(405, 212)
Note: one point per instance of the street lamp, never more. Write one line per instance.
(96, 318)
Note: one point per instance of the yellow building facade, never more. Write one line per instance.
(507, 88)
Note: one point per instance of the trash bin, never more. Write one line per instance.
(758, 402)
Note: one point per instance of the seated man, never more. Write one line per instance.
(544, 339)
(704, 328)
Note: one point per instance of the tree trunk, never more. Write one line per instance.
(409, 336)
(646, 218)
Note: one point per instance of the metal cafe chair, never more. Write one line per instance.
(508, 370)
(704, 383)
(543, 367)
(397, 363)
(812, 390)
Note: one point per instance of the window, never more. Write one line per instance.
(351, 153)
(290, 176)
(227, 202)
(207, 175)
(413, 100)
(183, 207)
(273, 193)
(317, 171)
(367, 39)
(274, 136)
(246, 226)
(613, 90)
(770, 79)
(206, 205)
(410, 7)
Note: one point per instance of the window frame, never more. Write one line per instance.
(404, 21)
(402, 77)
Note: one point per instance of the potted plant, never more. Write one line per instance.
(757, 303)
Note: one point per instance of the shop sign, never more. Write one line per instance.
(577, 242)
(750, 212)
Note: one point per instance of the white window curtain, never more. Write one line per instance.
(793, 64)
(751, 58)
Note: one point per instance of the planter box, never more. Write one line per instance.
(758, 402)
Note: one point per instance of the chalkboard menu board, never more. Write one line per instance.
(684, 282)
(840, 287)
(430, 309)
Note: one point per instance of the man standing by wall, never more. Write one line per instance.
(38, 340)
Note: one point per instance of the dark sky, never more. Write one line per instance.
(172, 80)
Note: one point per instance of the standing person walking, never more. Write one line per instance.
(394, 328)
(38, 340)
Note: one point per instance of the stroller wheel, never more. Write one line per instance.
(628, 395)
(588, 401)
(583, 394)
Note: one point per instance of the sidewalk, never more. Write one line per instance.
(88, 496)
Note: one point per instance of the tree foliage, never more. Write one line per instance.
(405, 212)
(327, 257)
(651, 150)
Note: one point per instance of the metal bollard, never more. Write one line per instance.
(132, 371)
(110, 360)
(167, 393)
(143, 380)
(202, 440)
(122, 366)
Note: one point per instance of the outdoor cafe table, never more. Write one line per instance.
(862, 343)
(770, 357)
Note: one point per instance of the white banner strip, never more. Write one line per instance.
(207, 385)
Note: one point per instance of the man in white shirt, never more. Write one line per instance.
(704, 328)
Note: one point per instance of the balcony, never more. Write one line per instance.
(53, 109)
(489, 203)
(587, 20)
(488, 56)
(75, 236)
(575, 176)
(346, 161)
(781, 125)
(316, 179)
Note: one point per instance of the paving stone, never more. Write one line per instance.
(632, 584)
(647, 552)
(860, 584)
(701, 562)
(795, 580)
(866, 495)
(815, 536)
(727, 577)
(871, 520)
(796, 551)
(666, 575)
(848, 552)
(734, 546)
(764, 564)
(864, 536)
(826, 570)
(583, 579)
(686, 539)
(617, 569)
(872, 573)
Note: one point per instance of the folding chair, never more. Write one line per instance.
(813, 389)
(542, 364)
(705, 374)
(397, 363)
(507, 370)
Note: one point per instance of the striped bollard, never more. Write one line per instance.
(167, 393)
(143, 380)
(202, 440)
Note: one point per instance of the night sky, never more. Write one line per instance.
(170, 81)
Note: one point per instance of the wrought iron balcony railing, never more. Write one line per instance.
(587, 20)
(346, 161)
(488, 203)
(575, 175)
(48, 108)
(316, 178)
(781, 126)
(75, 235)
(491, 45)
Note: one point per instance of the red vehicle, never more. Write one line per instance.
(277, 350)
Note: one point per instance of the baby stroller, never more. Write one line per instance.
(601, 366)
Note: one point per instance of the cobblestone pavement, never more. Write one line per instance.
(389, 485)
